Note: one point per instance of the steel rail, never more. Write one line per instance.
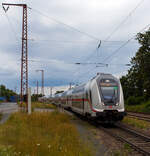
(139, 116)
(143, 139)
(123, 139)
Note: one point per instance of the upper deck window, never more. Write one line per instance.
(110, 93)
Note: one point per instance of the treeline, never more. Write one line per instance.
(6, 93)
(136, 84)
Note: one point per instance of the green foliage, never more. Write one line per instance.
(135, 100)
(4, 92)
(43, 105)
(57, 92)
(143, 107)
(0, 116)
(137, 81)
(131, 101)
(136, 123)
(7, 151)
(127, 146)
(35, 97)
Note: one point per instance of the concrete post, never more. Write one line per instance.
(29, 100)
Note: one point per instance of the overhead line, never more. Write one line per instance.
(11, 26)
(116, 29)
(67, 25)
(66, 41)
(123, 45)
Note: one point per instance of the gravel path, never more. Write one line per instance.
(89, 137)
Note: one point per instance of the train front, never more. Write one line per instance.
(112, 101)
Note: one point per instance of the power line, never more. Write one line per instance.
(73, 41)
(123, 45)
(66, 25)
(11, 27)
(118, 27)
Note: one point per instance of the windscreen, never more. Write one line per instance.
(109, 91)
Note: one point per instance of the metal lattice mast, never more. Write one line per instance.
(24, 58)
(24, 55)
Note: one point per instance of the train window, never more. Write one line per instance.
(109, 93)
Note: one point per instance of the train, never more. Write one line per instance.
(101, 99)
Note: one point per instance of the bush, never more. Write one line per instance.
(135, 100)
(143, 107)
(131, 101)
(140, 99)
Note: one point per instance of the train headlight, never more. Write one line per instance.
(117, 104)
(103, 104)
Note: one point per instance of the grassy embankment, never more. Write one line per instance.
(0, 116)
(41, 134)
(43, 105)
(37, 104)
(137, 123)
(143, 107)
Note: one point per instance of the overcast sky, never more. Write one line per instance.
(55, 47)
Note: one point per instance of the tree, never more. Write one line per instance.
(137, 81)
(4, 92)
(57, 92)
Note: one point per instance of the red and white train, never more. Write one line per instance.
(100, 98)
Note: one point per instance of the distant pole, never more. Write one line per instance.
(15, 89)
(70, 86)
(42, 88)
(0, 90)
(51, 90)
(43, 82)
(37, 88)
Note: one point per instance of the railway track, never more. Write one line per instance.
(138, 141)
(145, 117)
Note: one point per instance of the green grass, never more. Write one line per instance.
(143, 108)
(0, 116)
(43, 105)
(136, 123)
(122, 152)
(41, 134)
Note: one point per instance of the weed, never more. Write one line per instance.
(143, 107)
(0, 116)
(41, 134)
(136, 123)
(127, 147)
(40, 105)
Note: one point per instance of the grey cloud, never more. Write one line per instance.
(98, 18)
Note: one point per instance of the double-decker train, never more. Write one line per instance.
(101, 98)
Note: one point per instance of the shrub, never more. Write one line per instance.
(135, 100)
(143, 107)
(131, 101)
(140, 99)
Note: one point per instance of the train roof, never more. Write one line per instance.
(104, 76)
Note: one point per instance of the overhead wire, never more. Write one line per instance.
(11, 27)
(122, 22)
(91, 36)
(123, 45)
(117, 28)
(73, 41)
(66, 25)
